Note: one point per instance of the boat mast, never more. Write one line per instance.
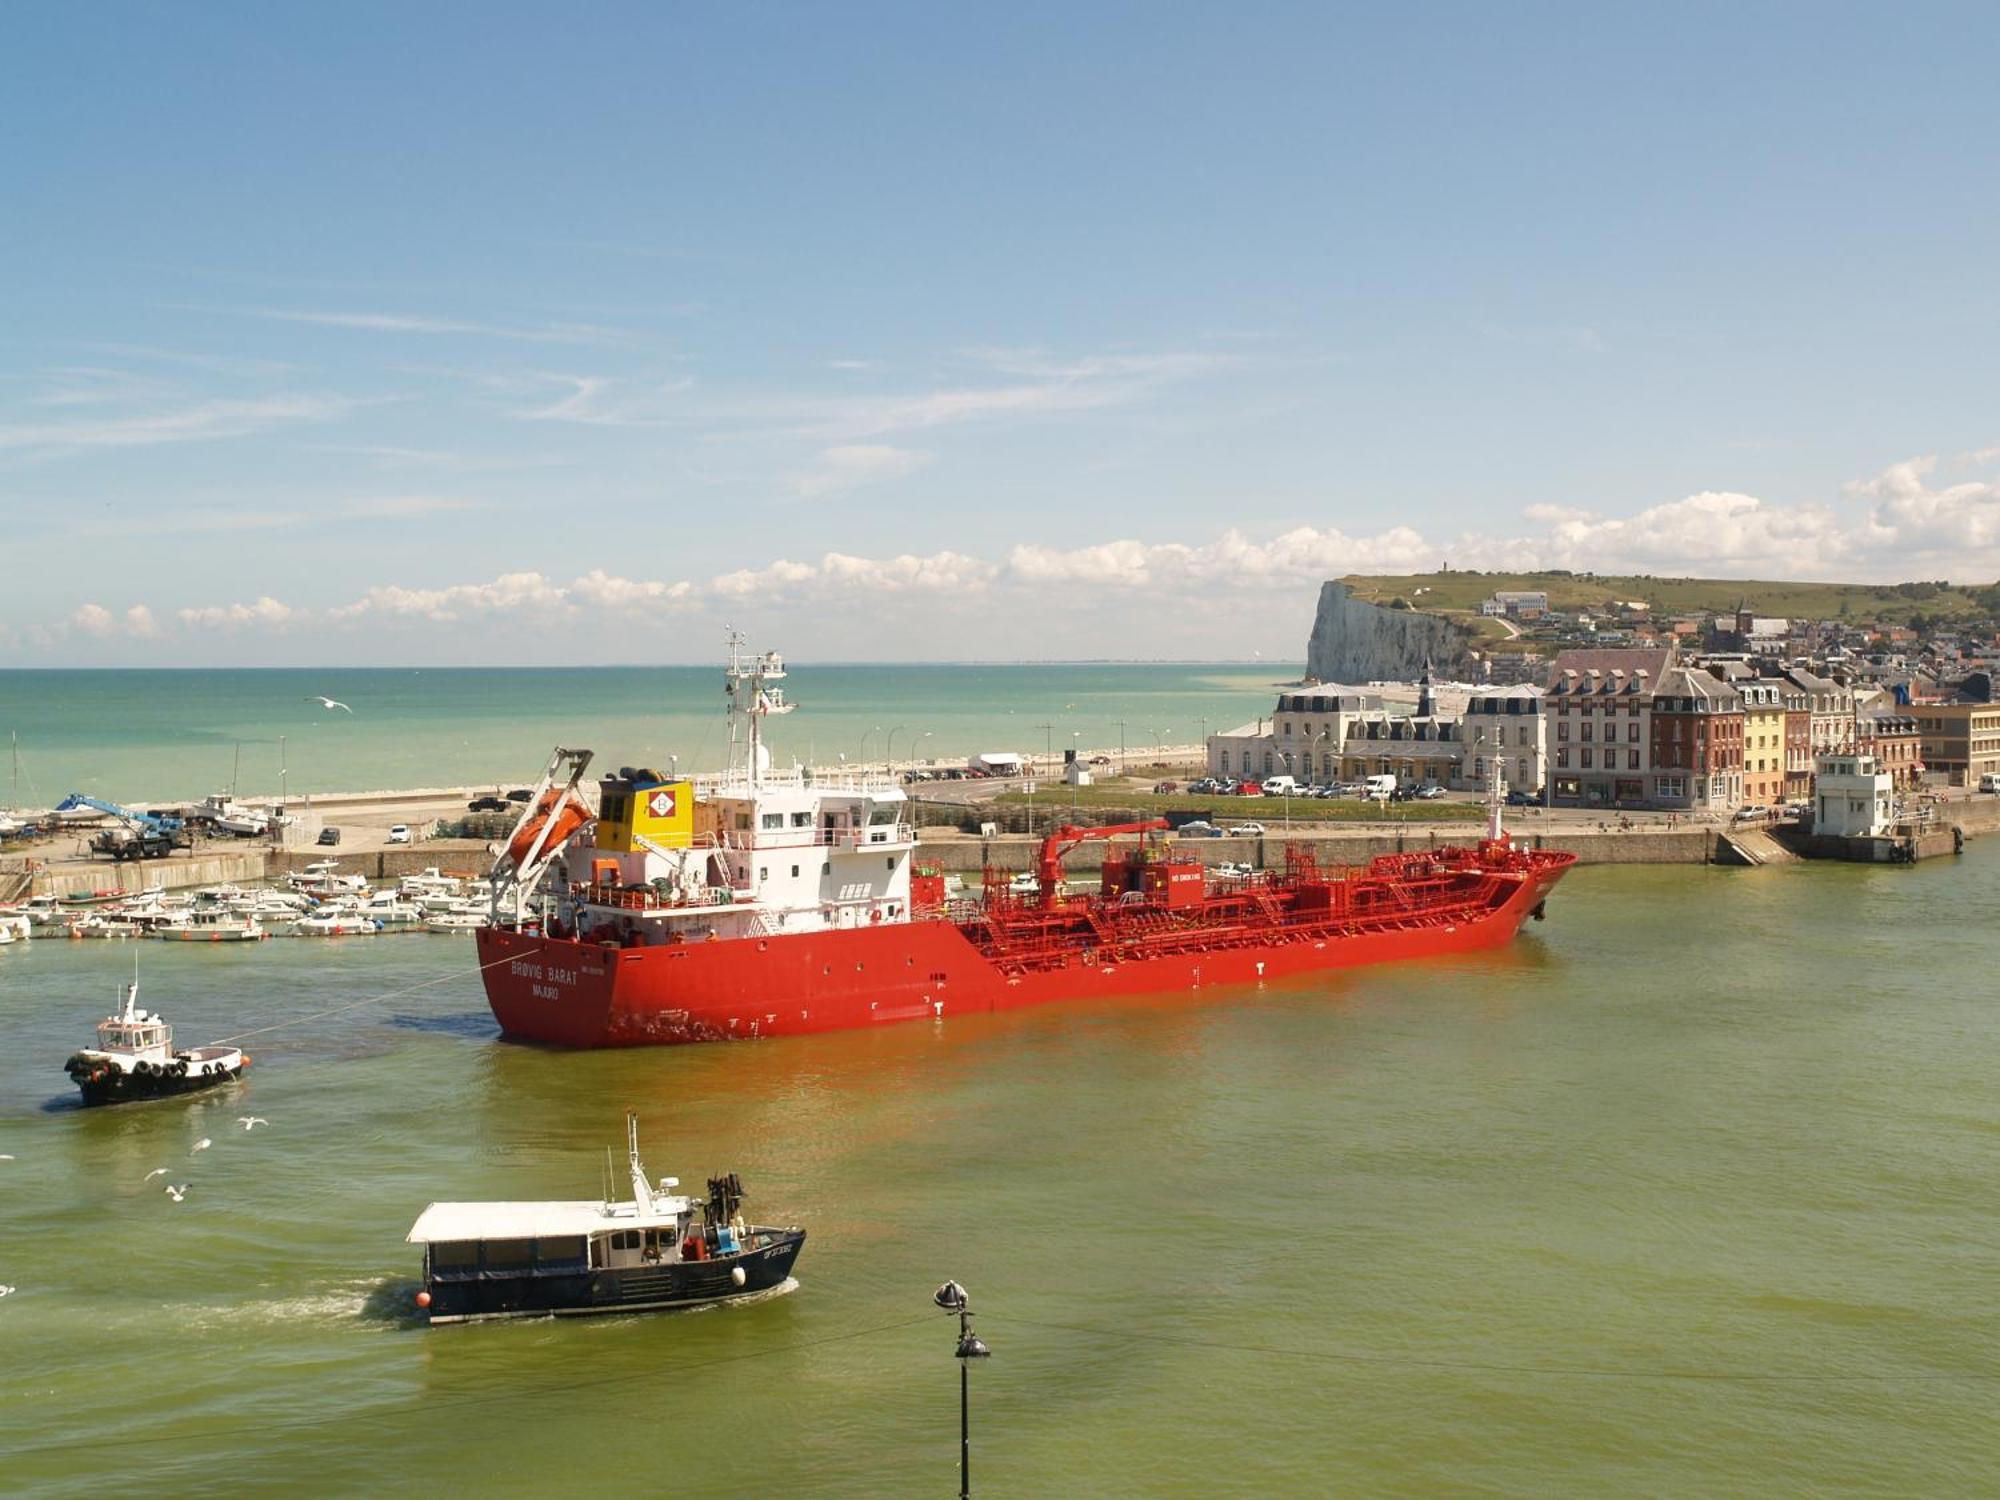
(753, 693)
(642, 1191)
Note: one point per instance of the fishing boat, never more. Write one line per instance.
(14, 928)
(100, 924)
(773, 903)
(657, 1249)
(209, 924)
(47, 916)
(135, 1058)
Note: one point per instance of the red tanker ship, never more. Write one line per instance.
(773, 903)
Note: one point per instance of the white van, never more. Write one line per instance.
(1381, 788)
(1280, 786)
(1989, 783)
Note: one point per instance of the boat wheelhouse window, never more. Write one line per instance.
(802, 820)
(455, 1255)
(882, 812)
(509, 1255)
(566, 1249)
(625, 1239)
(773, 820)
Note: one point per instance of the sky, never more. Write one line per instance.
(447, 334)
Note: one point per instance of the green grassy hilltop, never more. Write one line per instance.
(1891, 603)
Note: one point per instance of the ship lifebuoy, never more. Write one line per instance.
(875, 915)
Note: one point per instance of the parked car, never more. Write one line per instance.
(1248, 789)
(1200, 828)
(487, 804)
(329, 836)
(1100, 760)
(1524, 799)
(400, 834)
(1165, 788)
(1246, 830)
(1751, 812)
(1429, 792)
(519, 794)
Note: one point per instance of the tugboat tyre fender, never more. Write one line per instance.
(737, 1275)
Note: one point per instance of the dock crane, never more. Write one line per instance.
(144, 835)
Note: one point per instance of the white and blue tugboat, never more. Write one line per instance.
(658, 1249)
(135, 1059)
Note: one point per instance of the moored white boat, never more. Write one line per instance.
(210, 925)
(336, 923)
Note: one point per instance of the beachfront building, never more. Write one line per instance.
(1414, 748)
(1897, 745)
(1697, 742)
(1303, 737)
(1599, 711)
(1960, 741)
(1763, 741)
(1830, 707)
(1508, 727)
(1854, 797)
(1798, 740)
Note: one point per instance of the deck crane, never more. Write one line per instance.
(145, 835)
(1067, 837)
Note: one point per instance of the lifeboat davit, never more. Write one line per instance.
(561, 812)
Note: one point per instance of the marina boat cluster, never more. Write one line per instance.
(320, 901)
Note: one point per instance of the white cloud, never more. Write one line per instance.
(851, 465)
(265, 611)
(600, 401)
(508, 594)
(139, 622)
(380, 322)
(206, 421)
(600, 590)
(94, 619)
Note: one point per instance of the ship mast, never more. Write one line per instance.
(752, 686)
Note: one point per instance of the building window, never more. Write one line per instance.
(1562, 757)
(1632, 760)
(1562, 730)
(1585, 761)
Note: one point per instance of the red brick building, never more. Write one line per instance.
(1697, 742)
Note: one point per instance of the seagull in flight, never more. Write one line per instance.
(251, 1122)
(201, 1145)
(177, 1193)
(156, 1172)
(6, 1291)
(329, 703)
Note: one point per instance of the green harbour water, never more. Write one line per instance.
(1689, 1191)
(138, 735)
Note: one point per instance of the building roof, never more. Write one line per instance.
(1630, 660)
(527, 1221)
(1712, 694)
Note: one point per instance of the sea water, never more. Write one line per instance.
(168, 735)
(1690, 1190)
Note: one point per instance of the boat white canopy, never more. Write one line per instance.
(446, 1222)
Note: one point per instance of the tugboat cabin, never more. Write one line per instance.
(139, 1034)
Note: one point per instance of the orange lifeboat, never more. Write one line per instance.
(559, 810)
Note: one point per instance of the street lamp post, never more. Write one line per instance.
(1121, 747)
(1286, 757)
(862, 758)
(889, 751)
(952, 1298)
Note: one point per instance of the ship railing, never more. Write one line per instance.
(736, 784)
(868, 836)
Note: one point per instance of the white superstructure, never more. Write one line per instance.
(751, 852)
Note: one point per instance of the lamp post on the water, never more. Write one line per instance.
(952, 1298)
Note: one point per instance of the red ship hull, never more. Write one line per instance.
(577, 994)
